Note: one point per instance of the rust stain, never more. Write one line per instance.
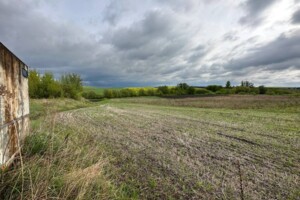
(14, 103)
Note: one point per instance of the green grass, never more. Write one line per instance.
(160, 148)
(97, 90)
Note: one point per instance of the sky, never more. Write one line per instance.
(121, 43)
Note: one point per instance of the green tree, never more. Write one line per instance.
(49, 86)
(71, 85)
(247, 84)
(34, 84)
(228, 84)
(183, 86)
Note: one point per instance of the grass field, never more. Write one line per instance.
(97, 90)
(220, 147)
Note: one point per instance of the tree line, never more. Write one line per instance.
(246, 87)
(70, 86)
(46, 86)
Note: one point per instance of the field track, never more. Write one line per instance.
(191, 153)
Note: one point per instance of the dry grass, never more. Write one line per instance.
(153, 148)
(56, 166)
(228, 102)
(161, 152)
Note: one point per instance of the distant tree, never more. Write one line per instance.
(183, 86)
(262, 89)
(228, 84)
(247, 84)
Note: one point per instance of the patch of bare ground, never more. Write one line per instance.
(158, 152)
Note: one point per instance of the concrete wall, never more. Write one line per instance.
(14, 104)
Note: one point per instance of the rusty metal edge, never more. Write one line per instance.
(12, 158)
(1, 44)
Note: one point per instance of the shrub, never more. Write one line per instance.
(91, 95)
(151, 92)
(191, 90)
(108, 93)
(224, 91)
(262, 89)
(203, 91)
(245, 90)
(214, 88)
(163, 90)
(142, 92)
(115, 93)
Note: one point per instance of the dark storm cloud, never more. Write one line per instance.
(151, 43)
(155, 25)
(296, 17)
(254, 9)
(162, 44)
(41, 41)
(53, 46)
(282, 53)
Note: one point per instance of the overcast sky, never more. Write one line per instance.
(157, 42)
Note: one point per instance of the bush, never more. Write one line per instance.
(142, 92)
(151, 92)
(203, 91)
(214, 88)
(262, 89)
(224, 91)
(91, 95)
(163, 90)
(191, 90)
(108, 93)
(245, 90)
(241, 90)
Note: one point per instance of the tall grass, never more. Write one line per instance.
(58, 163)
